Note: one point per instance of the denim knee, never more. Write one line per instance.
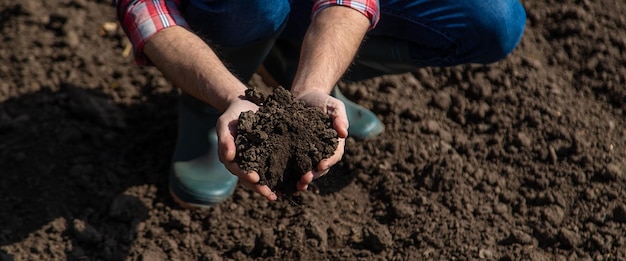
(499, 30)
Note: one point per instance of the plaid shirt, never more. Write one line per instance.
(141, 19)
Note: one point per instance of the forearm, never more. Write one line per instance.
(329, 46)
(191, 65)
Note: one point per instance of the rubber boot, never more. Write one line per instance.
(198, 178)
(363, 123)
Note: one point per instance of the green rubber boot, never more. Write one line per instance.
(198, 178)
(363, 123)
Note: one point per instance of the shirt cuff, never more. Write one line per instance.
(369, 8)
(142, 19)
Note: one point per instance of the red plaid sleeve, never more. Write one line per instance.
(141, 19)
(369, 8)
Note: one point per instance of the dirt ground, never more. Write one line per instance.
(519, 160)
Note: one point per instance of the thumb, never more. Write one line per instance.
(337, 111)
(226, 142)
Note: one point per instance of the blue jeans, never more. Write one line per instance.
(410, 34)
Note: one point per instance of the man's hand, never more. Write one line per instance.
(329, 46)
(227, 150)
(192, 65)
(337, 111)
(323, 59)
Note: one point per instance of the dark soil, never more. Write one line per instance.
(283, 140)
(522, 159)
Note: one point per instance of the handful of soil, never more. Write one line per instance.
(283, 139)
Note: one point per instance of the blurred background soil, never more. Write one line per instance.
(519, 160)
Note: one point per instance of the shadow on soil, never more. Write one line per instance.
(70, 160)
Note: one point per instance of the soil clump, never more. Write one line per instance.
(283, 140)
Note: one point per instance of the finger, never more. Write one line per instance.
(251, 180)
(226, 141)
(319, 174)
(304, 181)
(341, 126)
(246, 176)
(265, 191)
(262, 190)
(325, 164)
(337, 111)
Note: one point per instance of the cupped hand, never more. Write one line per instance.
(337, 111)
(226, 132)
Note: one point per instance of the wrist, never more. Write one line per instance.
(236, 96)
(299, 90)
